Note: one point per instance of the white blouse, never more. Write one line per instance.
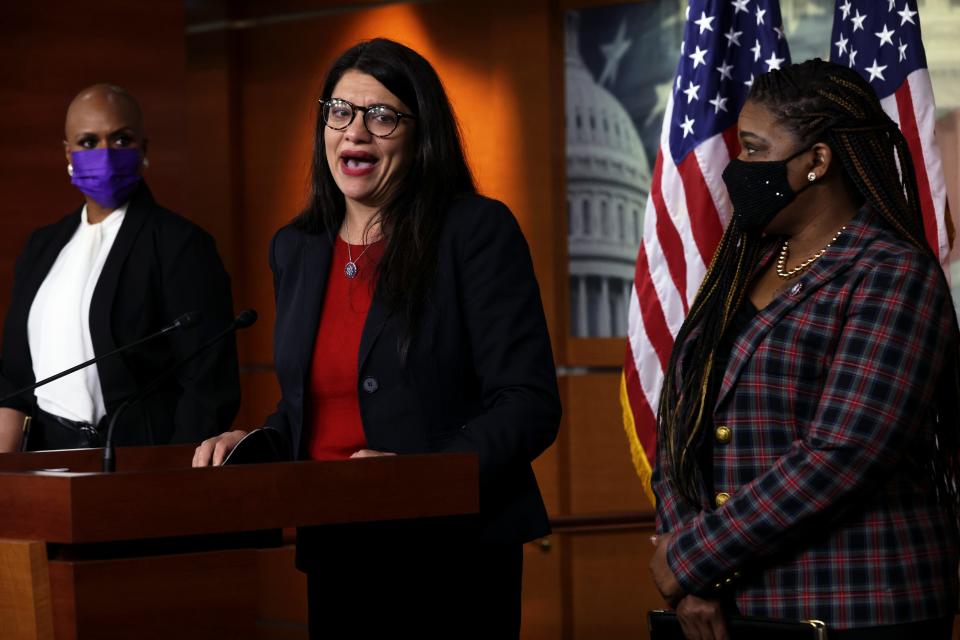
(58, 327)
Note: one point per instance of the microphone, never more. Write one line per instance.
(186, 321)
(243, 320)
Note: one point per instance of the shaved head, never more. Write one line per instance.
(100, 98)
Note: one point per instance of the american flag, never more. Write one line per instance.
(881, 40)
(726, 43)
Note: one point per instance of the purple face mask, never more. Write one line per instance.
(109, 176)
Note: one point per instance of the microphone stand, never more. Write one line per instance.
(185, 321)
(242, 321)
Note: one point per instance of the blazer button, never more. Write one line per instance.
(723, 434)
(370, 384)
(722, 498)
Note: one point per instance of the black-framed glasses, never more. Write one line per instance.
(380, 120)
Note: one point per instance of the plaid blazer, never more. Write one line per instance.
(824, 428)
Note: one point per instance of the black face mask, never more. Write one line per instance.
(758, 191)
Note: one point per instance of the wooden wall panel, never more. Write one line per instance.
(542, 590)
(611, 587)
(52, 50)
(602, 477)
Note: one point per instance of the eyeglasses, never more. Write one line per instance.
(379, 119)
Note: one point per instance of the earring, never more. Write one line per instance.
(811, 176)
(70, 169)
(146, 163)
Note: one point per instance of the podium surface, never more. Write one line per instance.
(160, 550)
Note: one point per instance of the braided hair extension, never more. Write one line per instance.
(684, 402)
(819, 102)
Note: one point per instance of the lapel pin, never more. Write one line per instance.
(797, 288)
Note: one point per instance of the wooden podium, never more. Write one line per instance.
(161, 550)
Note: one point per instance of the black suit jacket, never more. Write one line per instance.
(479, 374)
(159, 267)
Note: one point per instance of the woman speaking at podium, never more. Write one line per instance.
(112, 272)
(409, 321)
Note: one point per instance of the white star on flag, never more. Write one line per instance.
(698, 57)
(749, 82)
(773, 62)
(906, 15)
(779, 31)
(760, 14)
(740, 5)
(733, 37)
(886, 36)
(704, 22)
(725, 70)
(719, 103)
(756, 51)
(876, 71)
(900, 77)
(687, 126)
(841, 45)
(845, 7)
(858, 21)
(691, 92)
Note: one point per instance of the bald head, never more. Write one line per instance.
(103, 116)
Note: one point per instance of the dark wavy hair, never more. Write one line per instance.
(437, 174)
(818, 102)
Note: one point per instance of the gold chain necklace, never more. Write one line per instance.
(785, 253)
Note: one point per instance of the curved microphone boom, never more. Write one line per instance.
(243, 320)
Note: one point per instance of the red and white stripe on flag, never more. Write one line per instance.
(912, 107)
(725, 46)
(685, 215)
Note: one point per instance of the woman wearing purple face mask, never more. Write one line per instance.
(119, 268)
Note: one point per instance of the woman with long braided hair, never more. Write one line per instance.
(808, 422)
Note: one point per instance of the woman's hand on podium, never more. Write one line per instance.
(212, 451)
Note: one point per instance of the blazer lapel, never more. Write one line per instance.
(39, 267)
(842, 254)
(101, 304)
(376, 319)
(315, 267)
(38, 271)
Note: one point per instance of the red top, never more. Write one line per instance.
(335, 428)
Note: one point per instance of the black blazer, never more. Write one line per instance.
(479, 374)
(159, 267)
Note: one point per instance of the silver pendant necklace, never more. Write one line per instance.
(350, 269)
